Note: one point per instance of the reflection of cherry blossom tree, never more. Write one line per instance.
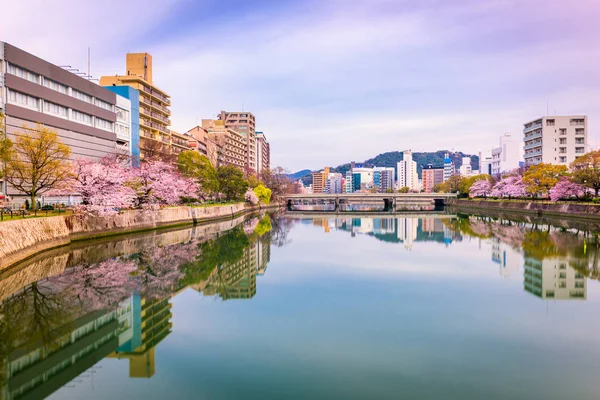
(250, 225)
(158, 268)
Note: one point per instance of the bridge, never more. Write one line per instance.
(352, 202)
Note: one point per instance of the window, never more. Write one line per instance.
(579, 150)
(23, 100)
(51, 108)
(579, 140)
(104, 124)
(549, 122)
(577, 121)
(23, 73)
(82, 96)
(49, 83)
(562, 131)
(122, 130)
(82, 118)
(579, 131)
(103, 104)
(123, 115)
(563, 140)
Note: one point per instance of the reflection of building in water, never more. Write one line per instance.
(235, 280)
(263, 255)
(407, 231)
(37, 369)
(500, 255)
(151, 324)
(553, 279)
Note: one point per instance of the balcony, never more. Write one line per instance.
(532, 127)
(534, 153)
(533, 145)
(534, 135)
(155, 105)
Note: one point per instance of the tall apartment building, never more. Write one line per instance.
(319, 180)
(507, 155)
(231, 145)
(383, 178)
(263, 153)
(555, 140)
(431, 177)
(449, 168)
(82, 113)
(333, 184)
(205, 145)
(407, 172)
(128, 120)
(154, 106)
(244, 123)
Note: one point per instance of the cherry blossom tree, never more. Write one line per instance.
(510, 186)
(251, 197)
(565, 189)
(480, 188)
(159, 183)
(101, 185)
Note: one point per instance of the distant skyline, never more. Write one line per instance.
(337, 80)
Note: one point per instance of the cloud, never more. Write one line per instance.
(331, 81)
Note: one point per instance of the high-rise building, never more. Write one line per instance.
(363, 178)
(334, 183)
(205, 145)
(485, 163)
(128, 119)
(555, 140)
(507, 156)
(35, 91)
(349, 187)
(407, 172)
(320, 180)
(244, 123)
(431, 177)
(231, 145)
(466, 169)
(449, 168)
(383, 178)
(154, 103)
(263, 153)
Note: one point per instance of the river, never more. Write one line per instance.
(299, 306)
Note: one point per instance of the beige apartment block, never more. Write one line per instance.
(205, 145)
(231, 145)
(555, 140)
(244, 123)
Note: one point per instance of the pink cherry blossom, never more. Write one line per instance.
(511, 186)
(565, 189)
(480, 188)
(156, 182)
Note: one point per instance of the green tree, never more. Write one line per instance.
(586, 171)
(404, 189)
(263, 193)
(5, 147)
(198, 167)
(539, 179)
(231, 182)
(40, 162)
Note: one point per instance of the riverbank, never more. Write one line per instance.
(20, 239)
(537, 208)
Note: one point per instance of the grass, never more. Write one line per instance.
(29, 214)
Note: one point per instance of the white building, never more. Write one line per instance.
(334, 183)
(123, 126)
(466, 169)
(407, 172)
(555, 140)
(449, 169)
(485, 163)
(366, 177)
(508, 155)
(348, 184)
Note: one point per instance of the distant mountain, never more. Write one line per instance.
(391, 159)
(298, 175)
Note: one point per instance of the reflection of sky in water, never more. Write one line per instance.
(338, 315)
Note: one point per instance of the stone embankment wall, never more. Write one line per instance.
(591, 211)
(20, 239)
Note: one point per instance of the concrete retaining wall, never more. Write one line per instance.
(591, 211)
(20, 239)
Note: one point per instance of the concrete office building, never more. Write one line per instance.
(35, 91)
(555, 140)
(154, 106)
(431, 177)
(407, 172)
(244, 123)
(334, 183)
(507, 155)
(263, 153)
(383, 178)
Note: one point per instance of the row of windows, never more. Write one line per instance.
(55, 109)
(59, 87)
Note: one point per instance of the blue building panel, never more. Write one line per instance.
(134, 96)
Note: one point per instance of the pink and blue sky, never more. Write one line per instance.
(337, 80)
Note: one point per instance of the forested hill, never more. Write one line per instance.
(391, 158)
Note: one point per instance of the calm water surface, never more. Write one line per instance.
(301, 307)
